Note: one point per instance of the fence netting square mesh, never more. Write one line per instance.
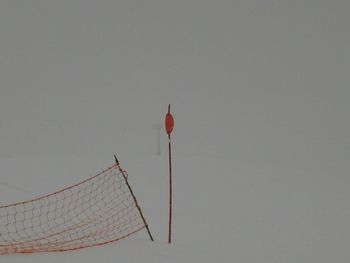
(93, 212)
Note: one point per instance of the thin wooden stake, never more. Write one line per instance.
(133, 196)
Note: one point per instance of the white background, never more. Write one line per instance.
(260, 94)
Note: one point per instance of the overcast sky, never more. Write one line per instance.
(260, 94)
(251, 80)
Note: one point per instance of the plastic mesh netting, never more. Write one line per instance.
(96, 211)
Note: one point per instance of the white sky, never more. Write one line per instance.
(259, 83)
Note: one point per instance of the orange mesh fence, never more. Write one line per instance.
(96, 211)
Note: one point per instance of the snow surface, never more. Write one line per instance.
(260, 95)
(223, 211)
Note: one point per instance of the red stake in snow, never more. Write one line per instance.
(169, 126)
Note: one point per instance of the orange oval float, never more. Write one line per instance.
(169, 123)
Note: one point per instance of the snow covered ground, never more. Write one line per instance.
(223, 211)
(260, 95)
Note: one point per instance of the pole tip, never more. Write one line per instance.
(169, 108)
(116, 159)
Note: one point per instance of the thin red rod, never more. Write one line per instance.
(169, 125)
(170, 191)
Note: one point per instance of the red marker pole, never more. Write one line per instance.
(169, 126)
